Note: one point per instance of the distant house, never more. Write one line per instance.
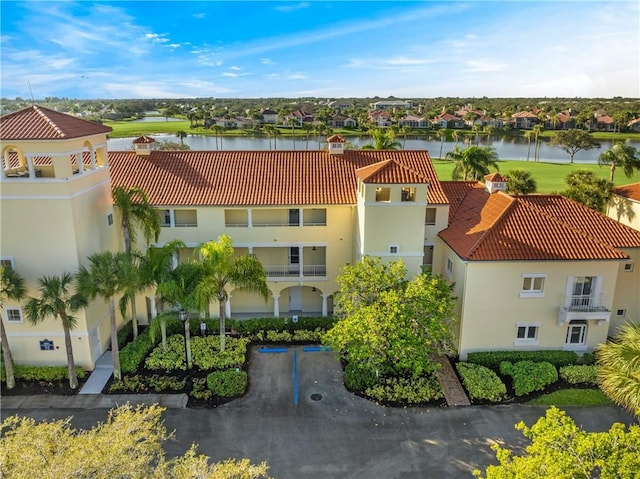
(604, 123)
(414, 121)
(269, 116)
(299, 116)
(380, 118)
(447, 120)
(523, 120)
(634, 125)
(391, 104)
(341, 121)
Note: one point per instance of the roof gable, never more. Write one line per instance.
(40, 123)
(631, 191)
(390, 172)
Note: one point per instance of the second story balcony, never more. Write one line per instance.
(296, 271)
(585, 307)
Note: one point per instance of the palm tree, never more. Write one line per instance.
(618, 366)
(308, 128)
(620, 155)
(382, 141)
(472, 162)
(218, 131)
(222, 269)
(520, 182)
(456, 136)
(476, 129)
(405, 131)
(12, 288)
(441, 134)
(537, 129)
(58, 299)
(182, 135)
(292, 122)
(135, 213)
(104, 278)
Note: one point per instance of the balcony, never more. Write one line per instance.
(586, 308)
(295, 271)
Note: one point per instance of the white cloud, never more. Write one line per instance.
(291, 7)
(486, 65)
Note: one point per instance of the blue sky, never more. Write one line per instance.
(241, 49)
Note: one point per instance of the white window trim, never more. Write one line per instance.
(532, 293)
(527, 341)
(628, 267)
(618, 311)
(448, 269)
(391, 247)
(11, 260)
(18, 309)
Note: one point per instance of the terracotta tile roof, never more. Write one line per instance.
(499, 227)
(496, 177)
(143, 139)
(631, 191)
(390, 172)
(40, 123)
(456, 191)
(336, 139)
(258, 178)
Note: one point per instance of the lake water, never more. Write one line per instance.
(507, 148)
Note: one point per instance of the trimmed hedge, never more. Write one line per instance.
(133, 354)
(492, 359)
(358, 377)
(396, 390)
(41, 373)
(481, 382)
(579, 374)
(229, 383)
(529, 376)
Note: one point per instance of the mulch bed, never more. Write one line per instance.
(30, 388)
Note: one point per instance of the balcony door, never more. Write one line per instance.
(294, 260)
(294, 217)
(583, 288)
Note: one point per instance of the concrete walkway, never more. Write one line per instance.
(99, 376)
(453, 391)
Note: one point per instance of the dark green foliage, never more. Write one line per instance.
(123, 334)
(357, 377)
(579, 374)
(41, 373)
(400, 390)
(481, 382)
(588, 358)
(492, 359)
(133, 354)
(229, 383)
(142, 384)
(529, 376)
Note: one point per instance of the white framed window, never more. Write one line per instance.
(383, 194)
(621, 313)
(628, 267)
(110, 219)
(449, 268)
(394, 249)
(14, 315)
(165, 218)
(408, 194)
(532, 285)
(527, 334)
(8, 262)
(576, 333)
(430, 216)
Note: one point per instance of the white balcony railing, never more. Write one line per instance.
(586, 303)
(295, 270)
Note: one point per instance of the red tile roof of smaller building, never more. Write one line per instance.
(496, 177)
(390, 172)
(335, 139)
(40, 123)
(631, 191)
(144, 139)
(499, 227)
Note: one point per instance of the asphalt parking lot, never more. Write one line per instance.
(331, 433)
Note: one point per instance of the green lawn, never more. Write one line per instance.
(573, 397)
(122, 129)
(549, 176)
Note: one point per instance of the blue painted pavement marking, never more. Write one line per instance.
(272, 350)
(295, 377)
(313, 349)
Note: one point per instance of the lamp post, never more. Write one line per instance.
(187, 343)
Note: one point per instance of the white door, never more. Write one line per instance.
(295, 298)
(94, 341)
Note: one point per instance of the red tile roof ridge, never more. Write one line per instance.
(48, 120)
(510, 201)
(630, 191)
(370, 172)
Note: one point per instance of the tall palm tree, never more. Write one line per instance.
(528, 135)
(292, 122)
(473, 162)
(476, 129)
(181, 135)
(537, 130)
(441, 134)
(135, 213)
(404, 131)
(308, 128)
(59, 299)
(218, 131)
(382, 141)
(221, 270)
(620, 155)
(618, 366)
(12, 288)
(103, 278)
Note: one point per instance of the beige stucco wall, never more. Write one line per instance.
(625, 210)
(627, 294)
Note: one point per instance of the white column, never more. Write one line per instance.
(276, 305)
(78, 157)
(324, 305)
(93, 158)
(250, 217)
(32, 170)
(153, 306)
(301, 272)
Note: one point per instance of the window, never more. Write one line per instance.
(576, 333)
(449, 269)
(383, 194)
(582, 289)
(628, 267)
(165, 218)
(621, 313)
(430, 216)
(14, 315)
(394, 249)
(294, 217)
(7, 262)
(408, 194)
(532, 285)
(110, 219)
(527, 334)
(294, 255)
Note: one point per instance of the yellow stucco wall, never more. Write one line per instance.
(625, 211)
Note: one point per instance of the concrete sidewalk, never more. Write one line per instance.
(99, 376)
(92, 401)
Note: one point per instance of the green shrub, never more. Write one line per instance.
(41, 373)
(132, 355)
(170, 358)
(492, 359)
(199, 389)
(129, 384)
(588, 358)
(257, 328)
(123, 334)
(579, 374)
(206, 355)
(406, 390)
(529, 376)
(279, 336)
(229, 383)
(481, 382)
(358, 377)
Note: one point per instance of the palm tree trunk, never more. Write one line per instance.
(612, 172)
(8, 360)
(71, 365)
(115, 354)
(222, 325)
